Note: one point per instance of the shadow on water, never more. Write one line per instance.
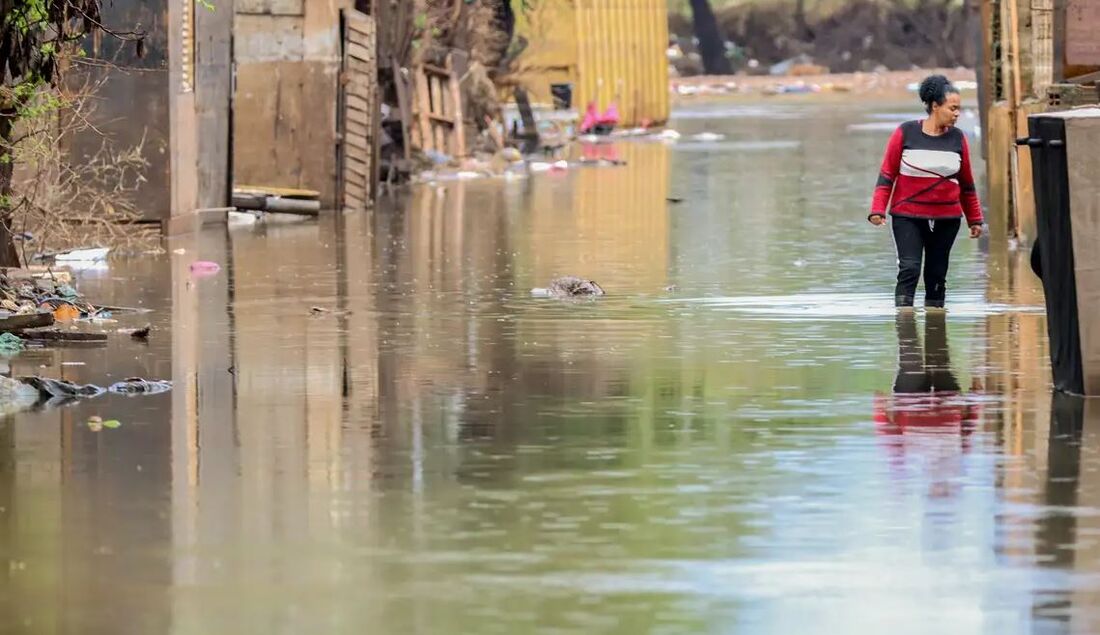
(1065, 527)
(434, 450)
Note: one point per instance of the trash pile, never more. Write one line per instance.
(586, 150)
(33, 302)
(803, 79)
(23, 297)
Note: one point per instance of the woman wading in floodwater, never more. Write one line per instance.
(926, 188)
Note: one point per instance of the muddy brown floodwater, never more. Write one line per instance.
(440, 452)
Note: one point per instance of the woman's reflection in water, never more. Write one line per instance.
(927, 413)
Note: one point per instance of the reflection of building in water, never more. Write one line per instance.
(293, 368)
(1017, 369)
(1043, 483)
(449, 259)
(1056, 519)
(603, 223)
(1017, 360)
(452, 354)
(272, 410)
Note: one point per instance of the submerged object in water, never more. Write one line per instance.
(569, 287)
(56, 392)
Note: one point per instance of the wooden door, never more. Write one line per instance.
(359, 116)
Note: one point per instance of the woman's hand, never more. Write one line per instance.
(975, 231)
(878, 220)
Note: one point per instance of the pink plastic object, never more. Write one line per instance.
(590, 118)
(203, 268)
(610, 116)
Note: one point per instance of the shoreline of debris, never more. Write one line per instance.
(583, 151)
(882, 84)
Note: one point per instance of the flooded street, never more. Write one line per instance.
(737, 438)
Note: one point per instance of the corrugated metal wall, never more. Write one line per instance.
(611, 50)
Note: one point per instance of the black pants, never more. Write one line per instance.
(917, 240)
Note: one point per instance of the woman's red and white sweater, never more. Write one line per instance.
(926, 176)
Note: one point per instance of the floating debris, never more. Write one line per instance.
(64, 336)
(65, 312)
(138, 334)
(15, 396)
(601, 162)
(95, 254)
(279, 200)
(139, 386)
(23, 321)
(10, 343)
(569, 287)
(57, 392)
(96, 423)
(204, 268)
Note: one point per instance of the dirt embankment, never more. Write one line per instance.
(861, 35)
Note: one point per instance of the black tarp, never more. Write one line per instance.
(1053, 253)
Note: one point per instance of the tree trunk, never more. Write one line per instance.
(971, 33)
(804, 32)
(712, 46)
(9, 257)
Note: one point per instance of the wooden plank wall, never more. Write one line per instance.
(438, 108)
(214, 95)
(359, 111)
(288, 68)
(999, 185)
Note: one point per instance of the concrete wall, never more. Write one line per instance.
(288, 66)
